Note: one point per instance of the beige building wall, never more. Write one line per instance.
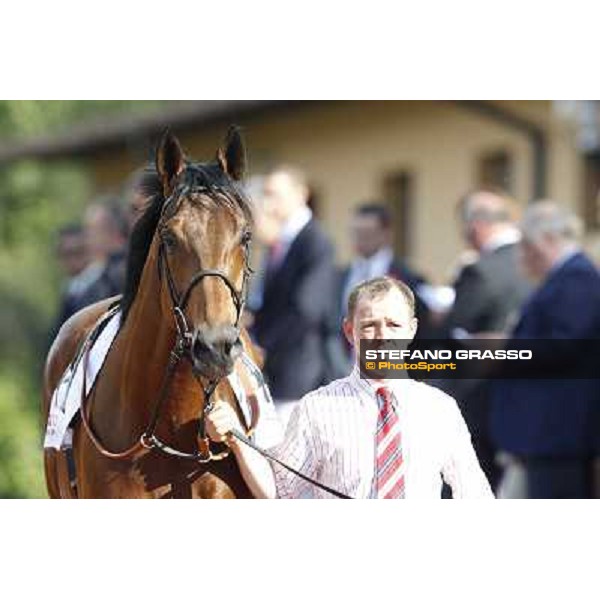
(349, 148)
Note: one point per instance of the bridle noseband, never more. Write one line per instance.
(179, 301)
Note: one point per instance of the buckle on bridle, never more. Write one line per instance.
(180, 323)
(206, 455)
(147, 441)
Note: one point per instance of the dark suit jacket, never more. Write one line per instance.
(110, 283)
(292, 321)
(553, 418)
(487, 293)
(400, 271)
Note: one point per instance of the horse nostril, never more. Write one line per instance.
(200, 349)
(214, 352)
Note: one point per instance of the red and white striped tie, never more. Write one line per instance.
(388, 470)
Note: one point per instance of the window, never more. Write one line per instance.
(591, 199)
(496, 171)
(398, 190)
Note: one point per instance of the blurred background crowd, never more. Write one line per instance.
(449, 197)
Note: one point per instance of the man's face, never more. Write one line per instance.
(72, 254)
(533, 261)
(476, 233)
(281, 196)
(384, 317)
(97, 233)
(102, 236)
(368, 235)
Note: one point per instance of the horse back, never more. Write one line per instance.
(63, 350)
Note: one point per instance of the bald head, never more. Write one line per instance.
(550, 232)
(486, 206)
(548, 219)
(486, 214)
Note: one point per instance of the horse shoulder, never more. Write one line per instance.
(65, 346)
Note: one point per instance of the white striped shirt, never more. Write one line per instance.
(331, 438)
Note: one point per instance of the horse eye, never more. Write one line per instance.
(246, 237)
(169, 240)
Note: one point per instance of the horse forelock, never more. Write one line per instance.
(204, 184)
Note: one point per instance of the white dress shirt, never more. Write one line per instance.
(290, 231)
(331, 438)
(509, 236)
(292, 228)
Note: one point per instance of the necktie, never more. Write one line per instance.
(274, 256)
(389, 463)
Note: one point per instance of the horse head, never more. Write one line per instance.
(203, 238)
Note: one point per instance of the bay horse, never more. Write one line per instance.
(187, 273)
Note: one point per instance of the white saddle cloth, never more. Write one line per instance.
(66, 400)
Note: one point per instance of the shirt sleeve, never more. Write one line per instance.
(269, 430)
(297, 451)
(461, 470)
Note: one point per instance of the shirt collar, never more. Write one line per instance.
(568, 253)
(509, 236)
(380, 260)
(295, 224)
(369, 388)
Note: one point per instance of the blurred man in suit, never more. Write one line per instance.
(372, 241)
(489, 293)
(106, 231)
(550, 429)
(490, 290)
(291, 310)
(73, 258)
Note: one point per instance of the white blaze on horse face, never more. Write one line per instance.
(387, 316)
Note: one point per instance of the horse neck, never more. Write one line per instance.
(141, 359)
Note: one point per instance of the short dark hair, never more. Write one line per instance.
(70, 229)
(377, 287)
(378, 210)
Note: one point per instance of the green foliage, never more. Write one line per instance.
(36, 199)
(26, 118)
(21, 466)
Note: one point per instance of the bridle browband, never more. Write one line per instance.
(183, 344)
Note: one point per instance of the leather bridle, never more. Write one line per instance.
(182, 349)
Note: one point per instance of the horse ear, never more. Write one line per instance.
(170, 161)
(232, 158)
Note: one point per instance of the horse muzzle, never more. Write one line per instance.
(214, 351)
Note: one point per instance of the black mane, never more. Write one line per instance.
(208, 179)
